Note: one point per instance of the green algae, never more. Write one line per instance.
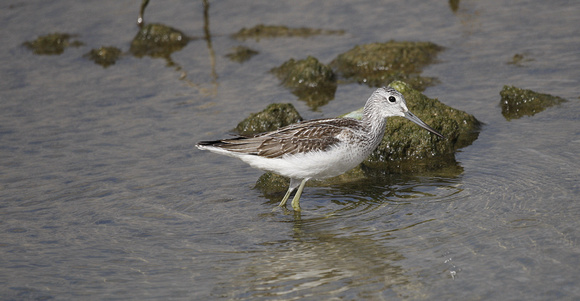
(158, 40)
(377, 64)
(262, 31)
(308, 79)
(241, 54)
(104, 56)
(516, 103)
(276, 115)
(51, 44)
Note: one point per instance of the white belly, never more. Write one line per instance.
(315, 165)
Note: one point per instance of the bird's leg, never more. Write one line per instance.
(283, 203)
(293, 184)
(296, 199)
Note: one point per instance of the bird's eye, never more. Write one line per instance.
(392, 99)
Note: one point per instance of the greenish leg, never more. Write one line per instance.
(296, 199)
(293, 184)
(283, 203)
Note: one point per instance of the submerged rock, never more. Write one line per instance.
(50, 44)
(516, 103)
(270, 183)
(454, 5)
(241, 54)
(377, 64)
(273, 117)
(261, 31)
(158, 40)
(308, 79)
(519, 58)
(406, 148)
(104, 56)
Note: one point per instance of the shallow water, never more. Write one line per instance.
(103, 195)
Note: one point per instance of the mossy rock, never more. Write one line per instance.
(104, 56)
(377, 64)
(454, 5)
(51, 44)
(261, 31)
(273, 117)
(308, 79)
(308, 72)
(270, 183)
(516, 103)
(158, 40)
(519, 59)
(241, 54)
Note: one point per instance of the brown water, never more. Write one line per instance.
(103, 195)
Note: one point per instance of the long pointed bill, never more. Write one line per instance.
(422, 124)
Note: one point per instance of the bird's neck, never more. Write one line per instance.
(374, 122)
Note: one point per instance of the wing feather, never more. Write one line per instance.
(313, 135)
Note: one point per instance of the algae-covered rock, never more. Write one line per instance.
(454, 5)
(104, 56)
(377, 64)
(308, 72)
(519, 58)
(516, 103)
(158, 40)
(270, 183)
(241, 54)
(50, 44)
(274, 116)
(261, 31)
(308, 79)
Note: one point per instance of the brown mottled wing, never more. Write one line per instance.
(313, 135)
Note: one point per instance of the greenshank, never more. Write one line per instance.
(320, 148)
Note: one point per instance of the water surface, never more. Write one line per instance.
(103, 195)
